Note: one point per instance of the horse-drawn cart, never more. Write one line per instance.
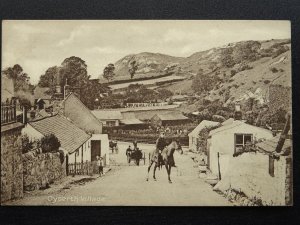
(136, 156)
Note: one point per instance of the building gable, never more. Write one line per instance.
(75, 110)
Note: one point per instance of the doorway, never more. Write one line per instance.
(95, 149)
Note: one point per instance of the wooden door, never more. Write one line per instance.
(95, 149)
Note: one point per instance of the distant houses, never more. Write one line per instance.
(169, 119)
(109, 118)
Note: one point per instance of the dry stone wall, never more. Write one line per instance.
(41, 170)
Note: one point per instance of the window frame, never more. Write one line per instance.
(241, 145)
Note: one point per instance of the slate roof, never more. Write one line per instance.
(231, 125)
(107, 114)
(271, 144)
(202, 125)
(131, 121)
(70, 136)
(172, 116)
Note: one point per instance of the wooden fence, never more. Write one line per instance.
(8, 113)
(84, 168)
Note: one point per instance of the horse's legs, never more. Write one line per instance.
(167, 169)
(170, 167)
(154, 172)
(149, 167)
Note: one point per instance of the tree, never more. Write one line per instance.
(48, 79)
(133, 68)
(27, 145)
(20, 79)
(75, 70)
(202, 83)
(92, 91)
(109, 72)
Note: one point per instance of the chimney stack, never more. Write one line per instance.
(238, 113)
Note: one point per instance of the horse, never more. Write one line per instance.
(167, 158)
(114, 146)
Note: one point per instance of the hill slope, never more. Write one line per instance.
(242, 68)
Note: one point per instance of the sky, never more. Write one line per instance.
(38, 45)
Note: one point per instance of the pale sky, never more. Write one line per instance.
(38, 45)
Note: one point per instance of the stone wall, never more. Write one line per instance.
(11, 163)
(249, 174)
(41, 170)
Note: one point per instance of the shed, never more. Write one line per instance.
(169, 119)
(109, 118)
(226, 140)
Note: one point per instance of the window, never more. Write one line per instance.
(110, 123)
(241, 140)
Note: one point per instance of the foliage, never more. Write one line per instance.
(274, 69)
(73, 71)
(91, 93)
(109, 72)
(232, 73)
(132, 68)
(202, 140)
(27, 145)
(20, 78)
(61, 156)
(50, 143)
(24, 102)
(202, 83)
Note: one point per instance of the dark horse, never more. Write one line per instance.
(114, 146)
(167, 158)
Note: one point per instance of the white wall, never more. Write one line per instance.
(223, 142)
(104, 145)
(32, 133)
(249, 173)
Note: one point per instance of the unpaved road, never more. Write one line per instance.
(127, 185)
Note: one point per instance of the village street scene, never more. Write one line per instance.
(146, 113)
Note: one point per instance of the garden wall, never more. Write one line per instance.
(40, 170)
(11, 162)
(253, 179)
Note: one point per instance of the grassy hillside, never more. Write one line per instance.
(238, 70)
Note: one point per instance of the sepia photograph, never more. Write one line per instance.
(146, 113)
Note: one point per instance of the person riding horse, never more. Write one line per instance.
(129, 151)
(161, 143)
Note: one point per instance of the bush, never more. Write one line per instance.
(274, 70)
(267, 81)
(232, 73)
(50, 143)
(61, 156)
(27, 145)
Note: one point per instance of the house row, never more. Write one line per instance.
(127, 119)
(77, 129)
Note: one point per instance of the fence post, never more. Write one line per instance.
(219, 169)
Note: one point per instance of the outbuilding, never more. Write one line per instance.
(194, 135)
(230, 138)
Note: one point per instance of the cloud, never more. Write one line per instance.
(37, 45)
